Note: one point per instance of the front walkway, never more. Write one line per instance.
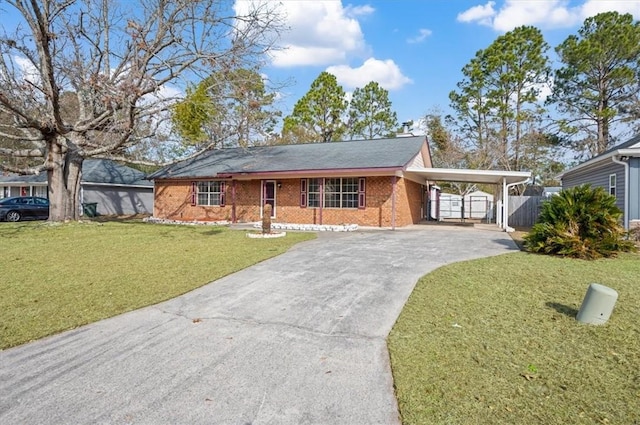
(298, 339)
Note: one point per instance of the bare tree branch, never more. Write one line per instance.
(84, 78)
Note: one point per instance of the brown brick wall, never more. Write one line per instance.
(173, 201)
(408, 202)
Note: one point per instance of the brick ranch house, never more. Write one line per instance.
(382, 183)
(356, 182)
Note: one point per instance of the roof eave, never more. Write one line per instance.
(595, 161)
(249, 175)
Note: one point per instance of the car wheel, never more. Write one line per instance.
(13, 216)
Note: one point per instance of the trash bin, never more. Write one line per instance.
(90, 209)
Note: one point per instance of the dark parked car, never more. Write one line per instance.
(23, 208)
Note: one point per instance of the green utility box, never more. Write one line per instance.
(90, 209)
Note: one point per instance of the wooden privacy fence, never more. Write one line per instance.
(524, 210)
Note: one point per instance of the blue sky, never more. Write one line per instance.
(413, 48)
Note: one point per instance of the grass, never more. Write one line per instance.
(495, 341)
(58, 277)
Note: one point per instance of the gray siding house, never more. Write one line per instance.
(116, 188)
(618, 172)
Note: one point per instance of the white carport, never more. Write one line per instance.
(506, 179)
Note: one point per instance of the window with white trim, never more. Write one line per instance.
(210, 193)
(612, 184)
(313, 195)
(341, 193)
(344, 192)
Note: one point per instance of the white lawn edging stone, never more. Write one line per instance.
(258, 225)
(266, 235)
(311, 227)
(156, 220)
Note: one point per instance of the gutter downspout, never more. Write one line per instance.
(505, 202)
(615, 159)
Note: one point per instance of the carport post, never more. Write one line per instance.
(506, 188)
(505, 204)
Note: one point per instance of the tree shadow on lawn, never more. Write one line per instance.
(10, 230)
(564, 309)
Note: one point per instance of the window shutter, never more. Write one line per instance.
(303, 193)
(223, 186)
(194, 194)
(361, 193)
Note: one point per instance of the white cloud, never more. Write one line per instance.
(348, 96)
(384, 72)
(419, 126)
(550, 14)
(481, 14)
(27, 70)
(544, 91)
(423, 33)
(546, 14)
(293, 55)
(321, 32)
(593, 7)
(169, 92)
(362, 10)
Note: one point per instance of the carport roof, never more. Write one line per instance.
(469, 176)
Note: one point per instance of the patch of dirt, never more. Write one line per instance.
(518, 237)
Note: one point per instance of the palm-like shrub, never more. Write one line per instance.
(581, 222)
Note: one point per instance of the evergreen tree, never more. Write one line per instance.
(370, 114)
(319, 113)
(447, 151)
(497, 103)
(598, 84)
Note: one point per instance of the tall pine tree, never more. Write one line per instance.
(318, 115)
(370, 113)
(497, 103)
(598, 83)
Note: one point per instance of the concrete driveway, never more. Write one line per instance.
(298, 339)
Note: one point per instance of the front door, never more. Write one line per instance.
(269, 195)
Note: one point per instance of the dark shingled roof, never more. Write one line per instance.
(109, 172)
(101, 171)
(359, 154)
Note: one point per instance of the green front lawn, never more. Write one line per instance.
(58, 277)
(495, 341)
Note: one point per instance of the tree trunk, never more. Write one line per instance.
(63, 178)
